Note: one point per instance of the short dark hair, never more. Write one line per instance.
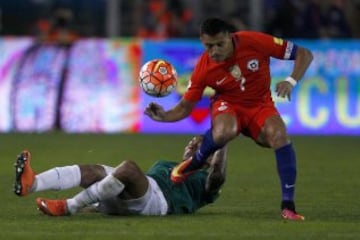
(213, 26)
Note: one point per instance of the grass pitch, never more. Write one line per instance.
(327, 190)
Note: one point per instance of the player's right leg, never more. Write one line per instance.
(107, 188)
(224, 129)
(90, 175)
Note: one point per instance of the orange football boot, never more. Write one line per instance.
(178, 175)
(25, 176)
(52, 207)
(291, 215)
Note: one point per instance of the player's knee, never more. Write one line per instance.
(276, 137)
(224, 133)
(126, 171)
(91, 174)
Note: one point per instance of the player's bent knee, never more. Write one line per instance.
(276, 138)
(222, 135)
(91, 174)
(127, 170)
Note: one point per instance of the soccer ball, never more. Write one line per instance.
(158, 78)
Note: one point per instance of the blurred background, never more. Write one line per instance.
(72, 65)
(180, 18)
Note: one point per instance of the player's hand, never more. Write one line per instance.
(284, 89)
(191, 147)
(155, 112)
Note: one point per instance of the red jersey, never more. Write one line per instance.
(244, 77)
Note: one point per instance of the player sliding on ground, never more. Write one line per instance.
(125, 189)
(237, 66)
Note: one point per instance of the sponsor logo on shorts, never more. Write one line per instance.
(223, 106)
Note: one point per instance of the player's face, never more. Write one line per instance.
(219, 46)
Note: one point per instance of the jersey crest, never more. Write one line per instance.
(253, 65)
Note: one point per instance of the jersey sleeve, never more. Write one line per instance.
(196, 84)
(270, 45)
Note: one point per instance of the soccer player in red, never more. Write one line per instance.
(236, 66)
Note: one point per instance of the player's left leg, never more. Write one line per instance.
(274, 134)
(224, 128)
(127, 179)
(58, 178)
(24, 174)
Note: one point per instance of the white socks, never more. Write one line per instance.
(61, 178)
(106, 188)
(58, 178)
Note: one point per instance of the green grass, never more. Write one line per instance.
(327, 190)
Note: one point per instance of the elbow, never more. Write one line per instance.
(307, 55)
(310, 56)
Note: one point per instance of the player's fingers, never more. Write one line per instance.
(149, 110)
(277, 89)
(154, 107)
(280, 92)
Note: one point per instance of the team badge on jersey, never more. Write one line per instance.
(235, 71)
(253, 65)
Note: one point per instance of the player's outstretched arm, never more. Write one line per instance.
(180, 111)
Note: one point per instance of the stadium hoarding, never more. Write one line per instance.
(93, 87)
(88, 87)
(101, 94)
